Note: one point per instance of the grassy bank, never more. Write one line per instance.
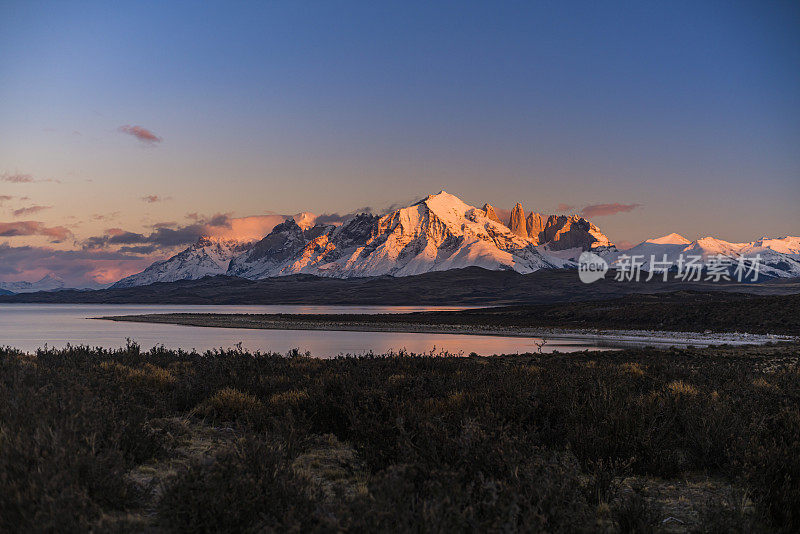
(123, 441)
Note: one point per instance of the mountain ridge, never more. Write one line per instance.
(440, 232)
(437, 233)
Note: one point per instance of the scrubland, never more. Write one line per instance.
(693, 440)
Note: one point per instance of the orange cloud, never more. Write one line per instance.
(247, 228)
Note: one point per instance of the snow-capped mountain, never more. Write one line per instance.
(207, 257)
(778, 257)
(438, 233)
(48, 283)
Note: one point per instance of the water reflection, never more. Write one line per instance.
(31, 326)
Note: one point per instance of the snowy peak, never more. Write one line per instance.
(283, 242)
(785, 245)
(490, 212)
(669, 239)
(777, 257)
(305, 220)
(208, 256)
(46, 283)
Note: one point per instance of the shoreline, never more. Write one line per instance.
(623, 337)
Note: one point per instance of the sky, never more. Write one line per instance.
(126, 128)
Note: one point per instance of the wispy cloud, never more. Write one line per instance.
(19, 178)
(5, 198)
(16, 178)
(151, 199)
(30, 210)
(142, 134)
(56, 234)
(105, 216)
(599, 210)
(565, 207)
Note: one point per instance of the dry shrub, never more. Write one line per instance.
(291, 398)
(147, 375)
(249, 489)
(634, 369)
(230, 404)
(680, 388)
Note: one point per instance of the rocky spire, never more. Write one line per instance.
(517, 222)
(490, 213)
(535, 226)
(563, 232)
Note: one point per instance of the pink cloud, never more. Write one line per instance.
(76, 267)
(27, 228)
(599, 210)
(565, 207)
(142, 134)
(30, 210)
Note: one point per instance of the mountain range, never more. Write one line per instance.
(438, 233)
(779, 258)
(47, 283)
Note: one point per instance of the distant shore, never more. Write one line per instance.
(382, 323)
(680, 317)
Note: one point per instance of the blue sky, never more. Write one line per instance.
(690, 110)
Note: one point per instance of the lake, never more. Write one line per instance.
(31, 326)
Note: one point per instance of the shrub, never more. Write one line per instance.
(248, 489)
(230, 404)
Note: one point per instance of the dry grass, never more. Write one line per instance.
(679, 388)
(633, 369)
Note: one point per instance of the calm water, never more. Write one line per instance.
(30, 326)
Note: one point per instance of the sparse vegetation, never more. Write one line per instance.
(640, 440)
